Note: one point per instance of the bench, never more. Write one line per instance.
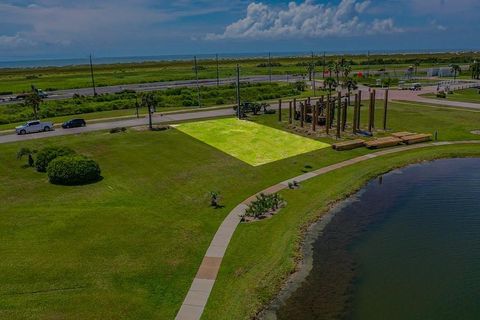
(383, 142)
(348, 145)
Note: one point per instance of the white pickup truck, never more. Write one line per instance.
(34, 126)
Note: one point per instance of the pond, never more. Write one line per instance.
(407, 246)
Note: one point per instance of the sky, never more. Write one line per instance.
(114, 28)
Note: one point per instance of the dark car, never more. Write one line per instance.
(74, 123)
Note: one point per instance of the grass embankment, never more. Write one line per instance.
(129, 245)
(55, 78)
(466, 95)
(121, 104)
(262, 255)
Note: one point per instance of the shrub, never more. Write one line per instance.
(441, 94)
(48, 154)
(300, 85)
(73, 170)
(263, 204)
(117, 130)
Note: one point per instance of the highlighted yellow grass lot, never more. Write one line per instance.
(250, 142)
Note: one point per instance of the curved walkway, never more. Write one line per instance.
(202, 285)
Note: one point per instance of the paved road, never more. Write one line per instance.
(154, 86)
(157, 119)
(405, 95)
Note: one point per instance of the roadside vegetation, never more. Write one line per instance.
(129, 245)
(13, 81)
(169, 99)
(467, 95)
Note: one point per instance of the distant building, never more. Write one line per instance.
(440, 72)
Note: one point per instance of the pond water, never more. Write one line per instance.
(405, 247)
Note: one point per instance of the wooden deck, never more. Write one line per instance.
(348, 145)
(402, 134)
(417, 138)
(383, 142)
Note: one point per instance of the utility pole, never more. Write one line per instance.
(270, 66)
(196, 79)
(238, 92)
(93, 78)
(313, 75)
(218, 73)
(324, 61)
(368, 64)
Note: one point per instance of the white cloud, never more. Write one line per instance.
(306, 19)
(383, 26)
(16, 41)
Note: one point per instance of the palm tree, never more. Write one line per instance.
(416, 64)
(330, 68)
(337, 68)
(350, 84)
(330, 83)
(455, 68)
(347, 69)
(310, 68)
(33, 100)
(28, 153)
(149, 101)
(475, 69)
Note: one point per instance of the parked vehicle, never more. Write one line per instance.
(34, 126)
(416, 87)
(74, 123)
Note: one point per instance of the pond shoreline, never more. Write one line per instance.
(319, 229)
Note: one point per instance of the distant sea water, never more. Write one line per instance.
(36, 63)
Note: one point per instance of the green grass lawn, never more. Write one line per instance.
(250, 142)
(128, 246)
(466, 95)
(262, 255)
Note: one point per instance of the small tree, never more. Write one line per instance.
(300, 86)
(337, 68)
(149, 101)
(28, 153)
(416, 64)
(330, 83)
(33, 100)
(455, 68)
(475, 69)
(350, 84)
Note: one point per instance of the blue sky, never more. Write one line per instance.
(72, 28)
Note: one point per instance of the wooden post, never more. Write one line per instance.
(322, 104)
(280, 110)
(370, 113)
(339, 116)
(359, 108)
(290, 112)
(385, 108)
(327, 111)
(308, 99)
(344, 115)
(302, 112)
(373, 107)
(355, 114)
(294, 107)
(314, 117)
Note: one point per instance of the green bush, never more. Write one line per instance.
(441, 94)
(73, 170)
(48, 154)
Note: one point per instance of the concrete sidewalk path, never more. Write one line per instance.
(202, 285)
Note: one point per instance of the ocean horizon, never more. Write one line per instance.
(63, 62)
